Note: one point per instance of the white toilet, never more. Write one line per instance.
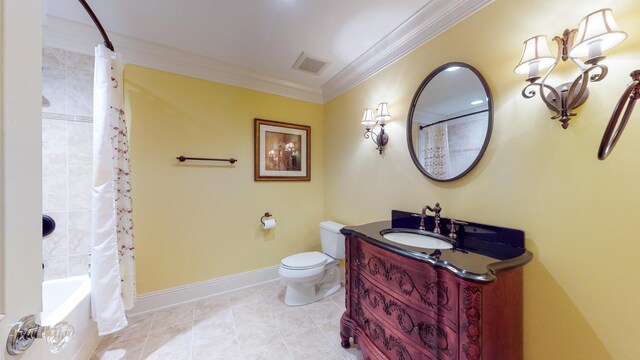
(312, 276)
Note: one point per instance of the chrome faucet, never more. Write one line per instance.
(436, 210)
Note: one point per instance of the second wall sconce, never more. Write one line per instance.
(596, 33)
(381, 138)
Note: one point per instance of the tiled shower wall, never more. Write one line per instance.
(67, 137)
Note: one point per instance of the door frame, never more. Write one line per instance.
(20, 164)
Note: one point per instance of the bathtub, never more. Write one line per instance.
(69, 300)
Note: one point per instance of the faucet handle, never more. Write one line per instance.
(452, 234)
(437, 208)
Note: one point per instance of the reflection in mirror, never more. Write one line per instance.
(450, 122)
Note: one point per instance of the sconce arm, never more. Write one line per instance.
(380, 139)
(583, 80)
(369, 131)
(528, 93)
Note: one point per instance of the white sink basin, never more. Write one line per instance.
(415, 238)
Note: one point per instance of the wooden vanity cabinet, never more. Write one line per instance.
(398, 307)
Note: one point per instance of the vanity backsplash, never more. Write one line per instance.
(494, 241)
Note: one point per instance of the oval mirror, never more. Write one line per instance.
(450, 122)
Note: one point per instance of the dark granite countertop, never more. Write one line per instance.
(481, 252)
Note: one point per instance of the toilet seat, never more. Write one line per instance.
(305, 261)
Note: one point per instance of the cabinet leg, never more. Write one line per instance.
(344, 341)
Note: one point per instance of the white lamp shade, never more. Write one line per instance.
(597, 32)
(535, 56)
(367, 118)
(383, 113)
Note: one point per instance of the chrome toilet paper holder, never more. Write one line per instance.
(266, 215)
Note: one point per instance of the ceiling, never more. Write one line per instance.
(258, 41)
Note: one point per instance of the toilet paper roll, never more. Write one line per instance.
(269, 224)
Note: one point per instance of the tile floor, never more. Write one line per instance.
(248, 324)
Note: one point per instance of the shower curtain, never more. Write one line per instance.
(436, 151)
(112, 250)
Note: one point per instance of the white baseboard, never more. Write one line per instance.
(189, 293)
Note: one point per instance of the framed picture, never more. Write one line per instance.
(282, 151)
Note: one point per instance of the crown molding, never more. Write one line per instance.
(81, 38)
(430, 21)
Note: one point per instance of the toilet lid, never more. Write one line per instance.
(305, 260)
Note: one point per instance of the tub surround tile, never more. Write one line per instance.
(54, 58)
(85, 119)
(54, 89)
(78, 102)
(67, 136)
(79, 265)
(80, 143)
(55, 268)
(54, 142)
(54, 188)
(80, 62)
(79, 232)
(79, 92)
(80, 184)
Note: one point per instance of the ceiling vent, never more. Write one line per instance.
(310, 64)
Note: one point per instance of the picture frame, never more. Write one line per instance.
(282, 151)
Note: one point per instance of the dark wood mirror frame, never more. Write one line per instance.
(416, 97)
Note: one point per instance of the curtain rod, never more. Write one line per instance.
(93, 16)
(453, 118)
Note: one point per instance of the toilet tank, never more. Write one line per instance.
(332, 240)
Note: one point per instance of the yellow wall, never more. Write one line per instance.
(581, 215)
(199, 221)
(196, 222)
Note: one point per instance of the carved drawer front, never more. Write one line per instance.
(435, 338)
(385, 338)
(415, 283)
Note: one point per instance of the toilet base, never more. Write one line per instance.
(301, 293)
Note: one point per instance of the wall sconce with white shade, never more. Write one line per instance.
(381, 138)
(596, 33)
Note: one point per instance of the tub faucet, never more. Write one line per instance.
(436, 210)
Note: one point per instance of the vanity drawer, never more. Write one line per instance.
(424, 330)
(385, 339)
(416, 283)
